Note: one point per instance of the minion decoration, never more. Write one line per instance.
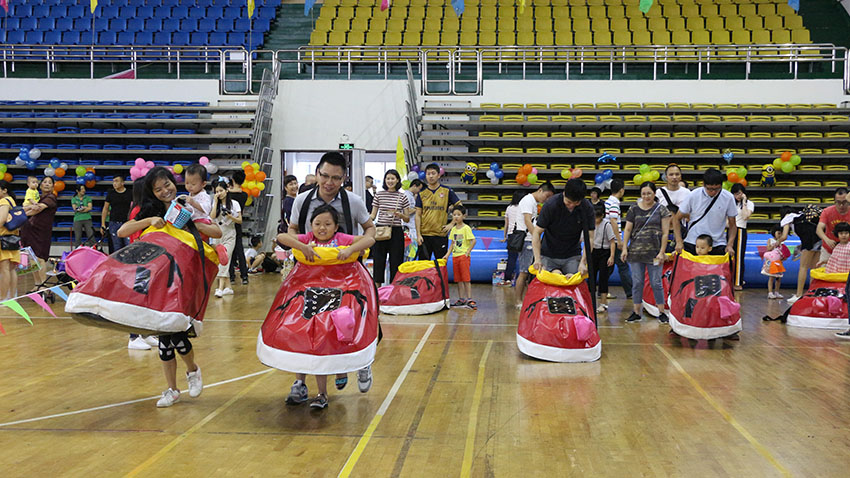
(468, 175)
(768, 176)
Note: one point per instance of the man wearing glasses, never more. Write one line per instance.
(709, 210)
(838, 212)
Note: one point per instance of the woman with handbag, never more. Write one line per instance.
(37, 232)
(647, 226)
(10, 253)
(390, 208)
(512, 215)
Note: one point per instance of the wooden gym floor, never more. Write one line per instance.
(452, 396)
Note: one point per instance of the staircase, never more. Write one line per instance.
(827, 21)
(290, 30)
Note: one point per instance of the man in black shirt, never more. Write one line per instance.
(562, 218)
(239, 251)
(115, 209)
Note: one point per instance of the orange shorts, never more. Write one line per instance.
(460, 264)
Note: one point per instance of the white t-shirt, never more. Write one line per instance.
(205, 201)
(512, 216)
(739, 219)
(789, 219)
(527, 205)
(225, 221)
(250, 254)
(678, 196)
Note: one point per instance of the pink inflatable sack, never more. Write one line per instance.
(82, 261)
(833, 305)
(584, 328)
(343, 319)
(728, 307)
(385, 292)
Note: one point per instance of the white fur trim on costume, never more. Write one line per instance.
(130, 315)
(705, 333)
(314, 364)
(557, 354)
(415, 309)
(817, 322)
(650, 309)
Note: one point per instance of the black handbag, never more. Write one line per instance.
(516, 240)
(10, 243)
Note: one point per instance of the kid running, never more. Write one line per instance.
(461, 242)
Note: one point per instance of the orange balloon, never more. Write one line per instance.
(248, 169)
(255, 192)
(260, 176)
(521, 178)
(59, 186)
(786, 156)
(249, 176)
(743, 182)
(733, 177)
(7, 177)
(526, 169)
(90, 184)
(59, 172)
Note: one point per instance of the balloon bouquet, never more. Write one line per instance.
(735, 176)
(603, 180)
(646, 174)
(254, 178)
(85, 176)
(27, 157)
(527, 175)
(495, 173)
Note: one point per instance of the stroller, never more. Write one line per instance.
(57, 275)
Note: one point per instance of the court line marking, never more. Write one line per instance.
(171, 445)
(761, 449)
(466, 467)
(839, 352)
(57, 372)
(367, 435)
(128, 402)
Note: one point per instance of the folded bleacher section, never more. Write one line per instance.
(110, 135)
(198, 23)
(558, 136)
(490, 23)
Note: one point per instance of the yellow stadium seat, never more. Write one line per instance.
(659, 151)
(785, 134)
(759, 134)
(734, 134)
(635, 118)
(586, 118)
(811, 151)
(837, 134)
(609, 150)
(562, 118)
(562, 134)
(824, 105)
(561, 151)
(585, 150)
(657, 118)
(512, 134)
(741, 37)
(810, 184)
(800, 36)
(810, 118)
(488, 134)
(835, 184)
(537, 134)
(811, 134)
(708, 134)
(779, 151)
(513, 150)
(634, 134)
(634, 151)
(835, 167)
(835, 151)
(684, 134)
(733, 118)
(489, 118)
(684, 151)
(758, 151)
(708, 151)
(810, 167)
(585, 134)
(513, 118)
(836, 118)
(659, 134)
(610, 134)
(488, 150)
(703, 167)
(537, 118)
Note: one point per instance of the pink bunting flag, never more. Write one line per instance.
(2, 330)
(5, 7)
(17, 308)
(385, 4)
(487, 241)
(38, 299)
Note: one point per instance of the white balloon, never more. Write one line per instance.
(49, 171)
(211, 168)
(494, 180)
(491, 174)
(64, 166)
(35, 153)
(412, 175)
(19, 161)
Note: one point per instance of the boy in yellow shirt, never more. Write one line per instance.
(32, 196)
(461, 242)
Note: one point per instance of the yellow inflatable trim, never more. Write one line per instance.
(186, 238)
(327, 256)
(418, 266)
(706, 259)
(560, 280)
(820, 274)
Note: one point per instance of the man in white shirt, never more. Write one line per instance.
(705, 218)
(612, 213)
(528, 214)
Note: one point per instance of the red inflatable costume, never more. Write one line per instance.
(824, 305)
(649, 297)
(556, 320)
(701, 302)
(419, 288)
(153, 286)
(324, 319)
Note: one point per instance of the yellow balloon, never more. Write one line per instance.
(245, 164)
(256, 167)
(178, 168)
(261, 186)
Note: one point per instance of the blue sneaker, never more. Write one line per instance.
(298, 393)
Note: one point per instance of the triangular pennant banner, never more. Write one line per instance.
(487, 241)
(308, 5)
(5, 7)
(38, 299)
(250, 8)
(57, 289)
(17, 308)
(458, 6)
(645, 5)
(794, 4)
(2, 330)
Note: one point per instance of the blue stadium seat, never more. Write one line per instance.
(44, 130)
(137, 131)
(76, 11)
(241, 25)
(70, 38)
(100, 24)
(160, 131)
(34, 38)
(59, 11)
(204, 3)
(161, 38)
(67, 130)
(232, 12)
(13, 23)
(144, 38)
(215, 12)
(116, 115)
(135, 25)
(135, 146)
(41, 11)
(66, 146)
(189, 25)
(90, 146)
(50, 3)
(179, 38)
(53, 37)
(145, 12)
(272, 3)
(46, 24)
(21, 131)
(266, 13)
(113, 146)
(22, 11)
(29, 23)
(82, 24)
(43, 146)
(136, 3)
(85, 38)
(224, 25)
(162, 12)
(262, 24)
(107, 38)
(118, 24)
(63, 24)
(198, 12)
(199, 39)
(171, 25)
(160, 147)
(109, 11)
(113, 131)
(218, 39)
(119, 3)
(153, 24)
(205, 25)
(180, 11)
(126, 38)
(127, 12)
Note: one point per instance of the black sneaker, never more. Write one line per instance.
(663, 318)
(244, 281)
(633, 318)
(843, 335)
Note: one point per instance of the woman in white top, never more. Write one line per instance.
(226, 213)
(390, 208)
(745, 210)
(673, 195)
(512, 215)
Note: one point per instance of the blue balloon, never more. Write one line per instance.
(599, 178)
(608, 174)
(30, 165)
(494, 166)
(24, 154)
(55, 163)
(81, 180)
(500, 174)
(89, 176)
(24, 149)
(422, 175)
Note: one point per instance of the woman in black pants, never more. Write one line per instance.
(390, 209)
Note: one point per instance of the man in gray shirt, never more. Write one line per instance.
(708, 218)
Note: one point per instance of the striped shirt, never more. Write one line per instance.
(387, 202)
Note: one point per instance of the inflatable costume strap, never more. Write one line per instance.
(348, 224)
(440, 276)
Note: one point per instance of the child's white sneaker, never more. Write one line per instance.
(771, 295)
(218, 293)
(138, 344)
(792, 299)
(169, 398)
(152, 340)
(227, 291)
(778, 295)
(196, 384)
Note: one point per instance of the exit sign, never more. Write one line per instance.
(346, 146)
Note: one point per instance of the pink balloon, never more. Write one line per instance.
(140, 162)
(526, 184)
(204, 160)
(576, 173)
(178, 178)
(533, 170)
(149, 165)
(442, 171)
